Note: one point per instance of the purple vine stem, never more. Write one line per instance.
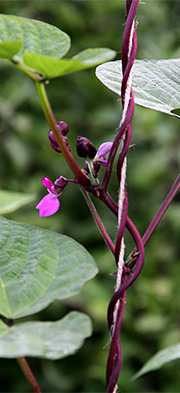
(127, 272)
(158, 217)
(98, 221)
(125, 276)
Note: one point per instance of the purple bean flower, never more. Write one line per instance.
(100, 156)
(85, 149)
(50, 204)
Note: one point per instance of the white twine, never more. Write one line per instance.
(122, 190)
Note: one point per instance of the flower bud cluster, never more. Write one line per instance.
(63, 129)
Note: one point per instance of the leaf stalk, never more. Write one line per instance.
(28, 375)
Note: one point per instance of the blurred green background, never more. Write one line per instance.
(151, 319)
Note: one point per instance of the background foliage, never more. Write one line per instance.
(151, 320)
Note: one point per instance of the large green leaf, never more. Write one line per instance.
(51, 68)
(156, 83)
(11, 201)
(38, 266)
(50, 340)
(36, 37)
(161, 358)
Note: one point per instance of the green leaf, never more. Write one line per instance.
(37, 37)
(156, 83)
(160, 359)
(93, 56)
(40, 46)
(11, 201)
(9, 48)
(50, 340)
(38, 266)
(53, 68)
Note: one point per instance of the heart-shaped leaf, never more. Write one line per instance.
(50, 340)
(156, 83)
(40, 46)
(38, 266)
(11, 201)
(52, 68)
(36, 37)
(161, 358)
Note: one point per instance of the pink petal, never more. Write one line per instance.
(48, 206)
(47, 183)
(103, 149)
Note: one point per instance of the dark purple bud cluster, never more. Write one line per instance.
(63, 129)
(85, 148)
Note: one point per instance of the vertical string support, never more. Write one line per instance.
(127, 97)
(129, 48)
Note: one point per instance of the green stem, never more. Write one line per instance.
(34, 76)
(81, 177)
(95, 180)
(98, 221)
(28, 374)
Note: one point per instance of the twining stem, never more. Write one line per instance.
(28, 374)
(81, 177)
(98, 220)
(159, 215)
(157, 218)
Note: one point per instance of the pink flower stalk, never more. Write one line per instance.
(50, 204)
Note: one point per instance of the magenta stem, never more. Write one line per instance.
(98, 221)
(158, 217)
(135, 273)
(115, 353)
(28, 375)
(129, 48)
(115, 145)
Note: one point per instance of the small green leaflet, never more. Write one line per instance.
(11, 201)
(160, 359)
(38, 47)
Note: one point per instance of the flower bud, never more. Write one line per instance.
(63, 128)
(85, 148)
(53, 142)
(60, 182)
